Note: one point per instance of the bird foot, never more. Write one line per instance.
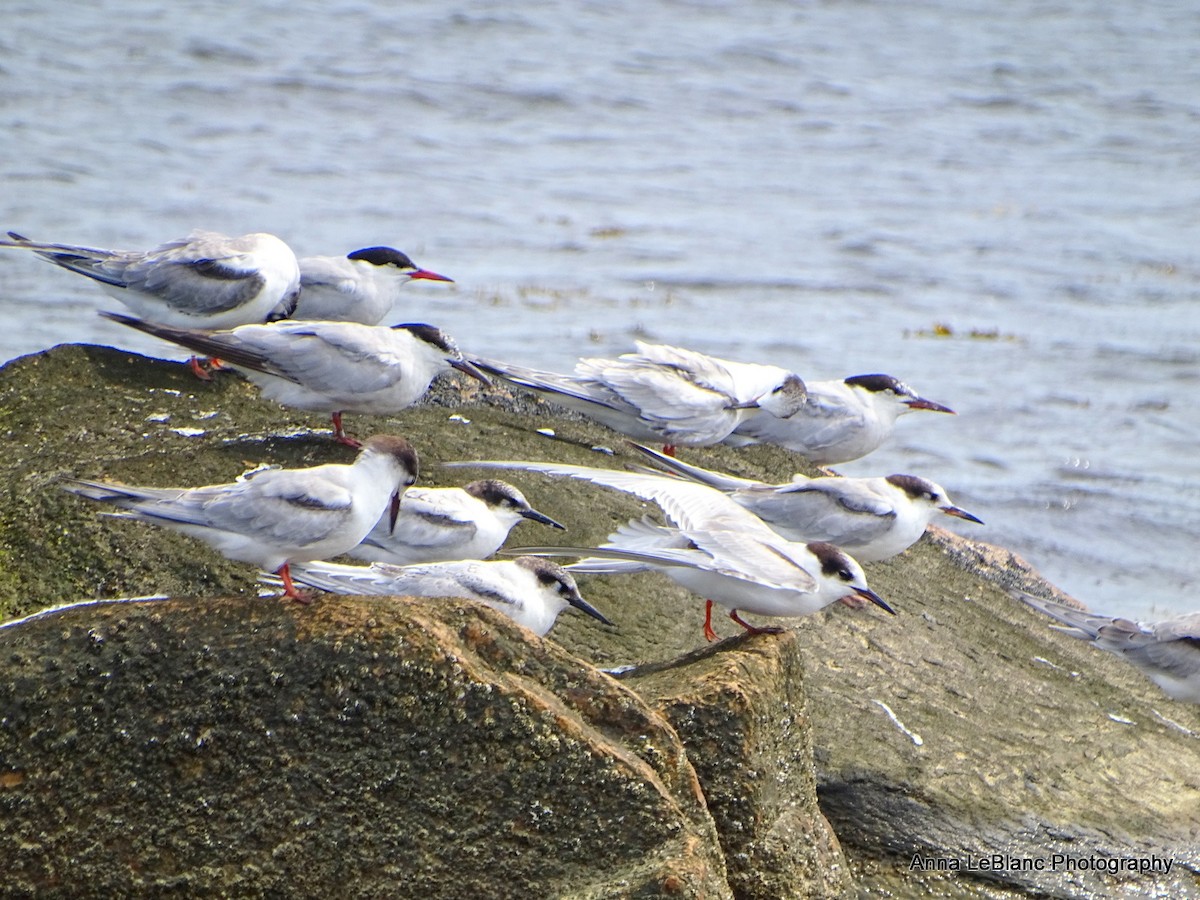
(754, 629)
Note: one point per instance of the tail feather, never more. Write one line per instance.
(205, 343)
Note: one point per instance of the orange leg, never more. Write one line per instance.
(753, 629)
(196, 364)
(289, 589)
(709, 634)
(669, 450)
(339, 433)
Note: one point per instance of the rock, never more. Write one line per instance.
(739, 706)
(960, 728)
(351, 748)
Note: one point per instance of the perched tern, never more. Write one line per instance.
(662, 393)
(205, 280)
(713, 547)
(332, 367)
(437, 524)
(841, 421)
(360, 287)
(1167, 652)
(870, 518)
(274, 517)
(529, 589)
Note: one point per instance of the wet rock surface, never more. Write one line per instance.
(961, 728)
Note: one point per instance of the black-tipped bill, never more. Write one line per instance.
(534, 516)
(962, 514)
(868, 594)
(465, 365)
(922, 403)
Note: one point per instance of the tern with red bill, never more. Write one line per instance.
(274, 517)
(360, 287)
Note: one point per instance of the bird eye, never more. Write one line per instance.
(846, 575)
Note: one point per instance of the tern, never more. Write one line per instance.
(275, 517)
(841, 420)
(662, 393)
(713, 547)
(360, 287)
(205, 280)
(332, 367)
(1167, 652)
(529, 589)
(870, 518)
(436, 524)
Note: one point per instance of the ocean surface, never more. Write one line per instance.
(996, 203)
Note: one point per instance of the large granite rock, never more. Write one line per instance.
(960, 729)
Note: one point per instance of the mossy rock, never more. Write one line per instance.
(1029, 742)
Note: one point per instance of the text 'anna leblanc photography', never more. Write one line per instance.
(1055, 862)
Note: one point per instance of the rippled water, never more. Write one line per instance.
(814, 185)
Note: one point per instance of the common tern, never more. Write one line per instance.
(870, 518)
(529, 589)
(841, 421)
(205, 280)
(437, 524)
(360, 287)
(274, 517)
(713, 547)
(662, 393)
(1167, 652)
(332, 367)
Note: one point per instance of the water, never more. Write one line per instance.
(814, 185)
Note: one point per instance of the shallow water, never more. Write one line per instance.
(817, 186)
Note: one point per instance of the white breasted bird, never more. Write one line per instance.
(275, 517)
(530, 590)
(713, 547)
(205, 280)
(436, 524)
(870, 518)
(661, 393)
(331, 367)
(841, 421)
(359, 287)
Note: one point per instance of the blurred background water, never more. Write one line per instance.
(996, 203)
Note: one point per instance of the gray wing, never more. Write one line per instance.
(824, 421)
(781, 573)
(688, 505)
(470, 579)
(291, 507)
(328, 272)
(839, 510)
(427, 520)
(585, 392)
(202, 274)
